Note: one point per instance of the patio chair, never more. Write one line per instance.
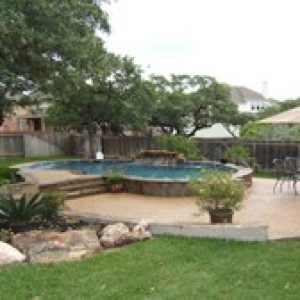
(291, 171)
(280, 173)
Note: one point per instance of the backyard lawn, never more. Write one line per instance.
(166, 268)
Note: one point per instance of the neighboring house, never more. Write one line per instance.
(25, 120)
(30, 118)
(247, 101)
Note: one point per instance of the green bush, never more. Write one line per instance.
(179, 144)
(9, 175)
(6, 235)
(26, 208)
(114, 176)
(51, 203)
(270, 132)
(239, 155)
(218, 190)
(19, 210)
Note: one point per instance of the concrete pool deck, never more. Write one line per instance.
(280, 211)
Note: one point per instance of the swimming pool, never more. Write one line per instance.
(132, 169)
(156, 180)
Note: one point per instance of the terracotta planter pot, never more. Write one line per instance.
(221, 215)
(117, 188)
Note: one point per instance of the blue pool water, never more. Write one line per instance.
(131, 169)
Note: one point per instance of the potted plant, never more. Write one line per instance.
(115, 180)
(219, 194)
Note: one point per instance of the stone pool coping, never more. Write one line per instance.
(146, 186)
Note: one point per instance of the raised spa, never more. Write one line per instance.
(162, 180)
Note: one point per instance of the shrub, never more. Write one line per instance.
(51, 203)
(27, 208)
(19, 210)
(179, 144)
(9, 175)
(270, 132)
(6, 235)
(218, 190)
(114, 176)
(239, 155)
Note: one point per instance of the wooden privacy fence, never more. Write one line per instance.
(58, 143)
(125, 147)
(263, 151)
(11, 145)
(35, 144)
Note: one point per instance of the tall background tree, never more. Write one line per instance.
(114, 99)
(186, 104)
(42, 40)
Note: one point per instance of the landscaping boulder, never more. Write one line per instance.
(141, 231)
(115, 235)
(50, 246)
(10, 255)
(119, 234)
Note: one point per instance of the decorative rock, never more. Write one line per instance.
(119, 234)
(115, 235)
(10, 255)
(141, 231)
(49, 246)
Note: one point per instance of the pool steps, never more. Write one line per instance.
(74, 188)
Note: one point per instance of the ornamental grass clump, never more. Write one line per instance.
(218, 192)
(26, 209)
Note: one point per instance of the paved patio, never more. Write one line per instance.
(281, 211)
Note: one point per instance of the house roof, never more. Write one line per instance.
(291, 116)
(241, 94)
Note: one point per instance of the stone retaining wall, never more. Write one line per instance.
(29, 187)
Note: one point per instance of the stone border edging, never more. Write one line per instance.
(249, 233)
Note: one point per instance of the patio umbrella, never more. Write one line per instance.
(291, 116)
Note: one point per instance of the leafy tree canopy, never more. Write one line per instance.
(186, 104)
(115, 99)
(42, 40)
(187, 147)
(270, 132)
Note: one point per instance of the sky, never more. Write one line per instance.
(239, 42)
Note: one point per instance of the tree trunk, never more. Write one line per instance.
(92, 138)
(227, 127)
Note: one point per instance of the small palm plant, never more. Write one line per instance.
(19, 210)
(28, 208)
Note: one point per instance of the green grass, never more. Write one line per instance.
(7, 176)
(265, 174)
(166, 268)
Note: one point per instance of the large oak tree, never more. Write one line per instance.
(42, 40)
(115, 99)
